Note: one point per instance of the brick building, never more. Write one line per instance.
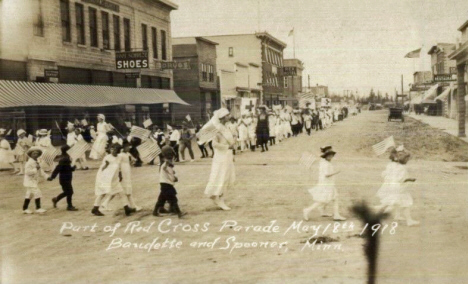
(250, 66)
(293, 84)
(78, 40)
(198, 85)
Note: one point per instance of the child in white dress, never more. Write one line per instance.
(107, 180)
(7, 157)
(393, 193)
(32, 174)
(325, 191)
(22, 146)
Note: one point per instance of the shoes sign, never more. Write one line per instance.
(174, 65)
(131, 60)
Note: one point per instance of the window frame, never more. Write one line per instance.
(65, 23)
(93, 27)
(127, 27)
(154, 37)
(105, 32)
(163, 45)
(38, 23)
(80, 27)
(117, 35)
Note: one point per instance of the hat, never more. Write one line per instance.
(19, 132)
(2, 131)
(43, 132)
(65, 148)
(400, 148)
(327, 151)
(222, 112)
(34, 149)
(103, 117)
(70, 125)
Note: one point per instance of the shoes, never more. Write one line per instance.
(138, 208)
(27, 211)
(40, 210)
(96, 212)
(222, 205)
(72, 208)
(85, 168)
(182, 161)
(128, 210)
(181, 214)
(54, 201)
(339, 218)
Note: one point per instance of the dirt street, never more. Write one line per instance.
(213, 246)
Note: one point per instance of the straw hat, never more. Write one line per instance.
(42, 132)
(103, 117)
(19, 132)
(34, 149)
(327, 150)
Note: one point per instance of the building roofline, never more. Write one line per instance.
(169, 4)
(266, 34)
(464, 26)
(206, 40)
(195, 38)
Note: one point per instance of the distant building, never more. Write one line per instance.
(318, 90)
(440, 62)
(422, 77)
(249, 66)
(198, 85)
(293, 84)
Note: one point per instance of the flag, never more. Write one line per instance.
(188, 117)
(291, 32)
(79, 149)
(84, 122)
(139, 132)
(49, 154)
(147, 123)
(307, 159)
(413, 54)
(149, 150)
(128, 124)
(77, 122)
(169, 127)
(248, 104)
(207, 133)
(30, 139)
(9, 132)
(381, 147)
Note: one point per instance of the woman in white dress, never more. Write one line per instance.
(99, 147)
(108, 181)
(22, 146)
(7, 157)
(222, 176)
(393, 193)
(272, 127)
(44, 142)
(244, 123)
(325, 191)
(252, 130)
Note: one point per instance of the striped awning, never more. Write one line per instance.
(444, 94)
(431, 93)
(20, 94)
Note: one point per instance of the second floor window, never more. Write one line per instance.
(105, 30)
(80, 29)
(163, 45)
(154, 35)
(211, 73)
(127, 34)
(204, 70)
(38, 21)
(144, 36)
(93, 32)
(116, 23)
(65, 20)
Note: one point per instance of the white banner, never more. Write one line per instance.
(248, 104)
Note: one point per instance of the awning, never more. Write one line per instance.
(444, 94)
(416, 99)
(19, 93)
(431, 93)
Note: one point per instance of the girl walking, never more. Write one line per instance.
(32, 175)
(325, 191)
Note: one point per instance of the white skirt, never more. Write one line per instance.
(222, 175)
(99, 147)
(323, 193)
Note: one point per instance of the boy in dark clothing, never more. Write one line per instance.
(65, 171)
(167, 179)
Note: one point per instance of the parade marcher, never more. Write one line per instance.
(108, 180)
(325, 191)
(394, 193)
(134, 143)
(307, 121)
(262, 130)
(44, 142)
(100, 142)
(279, 127)
(167, 180)
(32, 175)
(252, 129)
(233, 127)
(22, 146)
(222, 175)
(74, 135)
(202, 146)
(243, 126)
(64, 170)
(7, 157)
(294, 124)
(125, 178)
(186, 142)
(272, 127)
(174, 139)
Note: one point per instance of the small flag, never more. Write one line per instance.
(49, 132)
(413, 54)
(381, 147)
(291, 32)
(149, 150)
(84, 122)
(8, 133)
(139, 132)
(188, 117)
(307, 159)
(207, 133)
(169, 127)
(128, 124)
(49, 154)
(79, 149)
(147, 123)
(77, 122)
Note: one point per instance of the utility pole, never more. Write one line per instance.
(308, 78)
(402, 99)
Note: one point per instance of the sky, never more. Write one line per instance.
(346, 44)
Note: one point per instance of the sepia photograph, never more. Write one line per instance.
(233, 141)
